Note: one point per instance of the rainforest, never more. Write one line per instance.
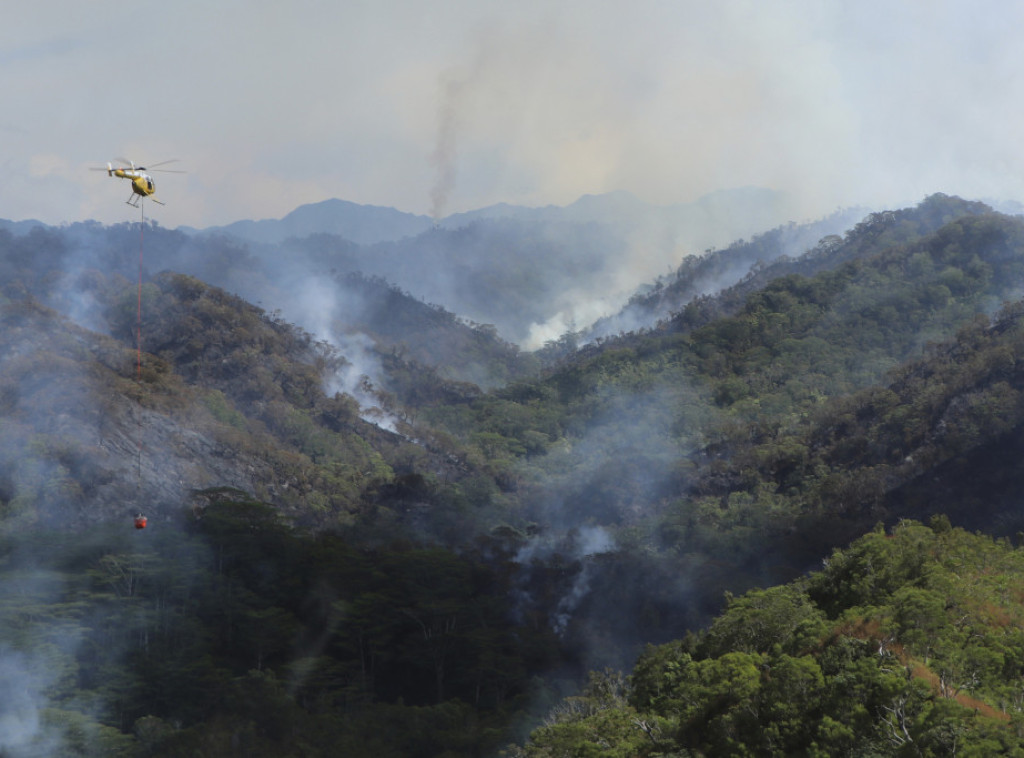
(401, 502)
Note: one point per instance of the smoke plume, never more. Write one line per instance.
(443, 158)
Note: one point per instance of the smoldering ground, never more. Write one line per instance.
(594, 565)
(605, 597)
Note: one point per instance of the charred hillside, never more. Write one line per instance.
(227, 396)
(85, 442)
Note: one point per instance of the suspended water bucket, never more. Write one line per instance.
(140, 522)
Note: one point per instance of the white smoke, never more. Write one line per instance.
(356, 377)
(37, 661)
(320, 310)
(580, 544)
(23, 680)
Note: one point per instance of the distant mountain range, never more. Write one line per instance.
(363, 224)
(746, 210)
(532, 273)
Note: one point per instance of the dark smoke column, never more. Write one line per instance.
(445, 147)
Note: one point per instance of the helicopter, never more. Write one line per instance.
(143, 185)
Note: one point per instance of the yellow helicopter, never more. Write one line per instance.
(143, 185)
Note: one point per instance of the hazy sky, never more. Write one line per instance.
(450, 105)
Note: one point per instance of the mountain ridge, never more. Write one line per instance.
(369, 224)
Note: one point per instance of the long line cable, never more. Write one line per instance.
(138, 323)
(138, 351)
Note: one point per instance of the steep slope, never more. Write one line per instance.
(716, 270)
(429, 335)
(83, 442)
(718, 283)
(227, 396)
(846, 454)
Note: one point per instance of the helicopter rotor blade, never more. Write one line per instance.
(130, 165)
(153, 167)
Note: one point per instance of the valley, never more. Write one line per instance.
(402, 501)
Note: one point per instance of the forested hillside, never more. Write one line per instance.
(907, 643)
(388, 529)
(707, 274)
